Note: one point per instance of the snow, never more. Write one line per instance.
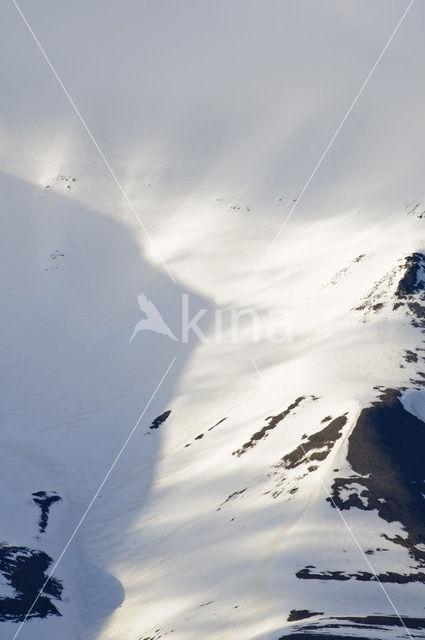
(212, 116)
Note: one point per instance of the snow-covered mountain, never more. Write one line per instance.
(252, 484)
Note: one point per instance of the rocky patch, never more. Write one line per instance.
(44, 500)
(409, 293)
(310, 452)
(385, 452)
(25, 570)
(272, 422)
(160, 420)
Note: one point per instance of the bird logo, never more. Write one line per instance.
(153, 320)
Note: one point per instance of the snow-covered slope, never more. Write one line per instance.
(270, 488)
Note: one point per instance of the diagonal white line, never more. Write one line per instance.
(99, 150)
(332, 140)
(273, 397)
(98, 490)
